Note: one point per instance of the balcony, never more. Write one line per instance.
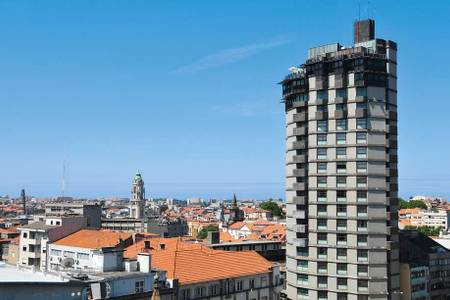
(299, 172)
(299, 200)
(299, 242)
(300, 117)
(360, 98)
(340, 114)
(299, 214)
(299, 145)
(299, 131)
(298, 228)
(298, 186)
(361, 113)
(299, 159)
(321, 115)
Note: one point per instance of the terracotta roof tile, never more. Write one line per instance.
(94, 239)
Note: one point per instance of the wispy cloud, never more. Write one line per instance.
(230, 55)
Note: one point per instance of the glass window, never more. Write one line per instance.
(341, 195)
(361, 123)
(341, 253)
(361, 92)
(362, 270)
(322, 209)
(363, 285)
(321, 252)
(321, 139)
(361, 166)
(362, 255)
(341, 268)
(322, 95)
(322, 267)
(302, 264)
(341, 181)
(321, 167)
(341, 124)
(342, 296)
(341, 167)
(361, 152)
(361, 195)
(361, 105)
(340, 138)
(341, 210)
(361, 181)
(302, 279)
(341, 106)
(321, 153)
(341, 238)
(361, 137)
(84, 256)
(322, 126)
(322, 295)
(322, 108)
(342, 283)
(341, 224)
(362, 210)
(321, 224)
(322, 281)
(342, 93)
(341, 152)
(321, 181)
(322, 238)
(362, 240)
(321, 195)
(362, 225)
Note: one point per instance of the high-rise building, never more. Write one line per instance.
(341, 166)
(137, 201)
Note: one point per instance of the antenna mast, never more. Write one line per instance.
(63, 183)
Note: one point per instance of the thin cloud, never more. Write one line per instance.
(229, 56)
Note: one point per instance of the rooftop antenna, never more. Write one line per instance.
(63, 183)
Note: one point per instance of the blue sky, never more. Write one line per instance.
(186, 92)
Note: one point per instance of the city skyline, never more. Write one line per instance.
(193, 103)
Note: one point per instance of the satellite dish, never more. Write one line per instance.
(67, 262)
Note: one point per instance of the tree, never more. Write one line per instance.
(426, 230)
(272, 206)
(203, 233)
(411, 204)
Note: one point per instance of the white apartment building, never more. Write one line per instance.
(89, 250)
(35, 236)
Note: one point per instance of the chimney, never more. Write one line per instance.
(364, 30)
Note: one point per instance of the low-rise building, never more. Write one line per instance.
(419, 253)
(89, 250)
(34, 238)
(195, 271)
(92, 212)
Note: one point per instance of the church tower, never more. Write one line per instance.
(137, 201)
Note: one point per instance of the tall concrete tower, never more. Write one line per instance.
(24, 201)
(137, 201)
(341, 171)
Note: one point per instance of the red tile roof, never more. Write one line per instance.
(94, 239)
